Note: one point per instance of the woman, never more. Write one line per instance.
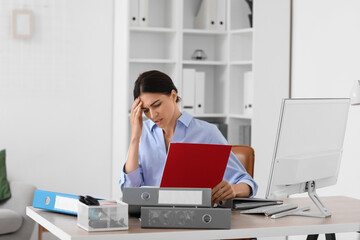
(156, 96)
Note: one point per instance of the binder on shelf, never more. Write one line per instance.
(248, 92)
(188, 90)
(143, 13)
(221, 15)
(134, 13)
(245, 135)
(199, 92)
(56, 202)
(206, 15)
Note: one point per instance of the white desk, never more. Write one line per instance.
(345, 218)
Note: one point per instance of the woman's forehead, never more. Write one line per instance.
(150, 98)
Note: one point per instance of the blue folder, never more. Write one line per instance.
(57, 202)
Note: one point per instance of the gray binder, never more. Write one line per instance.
(174, 197)
(178, 217)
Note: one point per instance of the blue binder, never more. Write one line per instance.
(57, 202)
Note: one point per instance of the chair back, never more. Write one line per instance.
(246, 155)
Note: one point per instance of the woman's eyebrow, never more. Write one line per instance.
(151, 104)
(154, 102)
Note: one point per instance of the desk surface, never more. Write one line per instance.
(345, 218)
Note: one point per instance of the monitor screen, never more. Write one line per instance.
(308, 145)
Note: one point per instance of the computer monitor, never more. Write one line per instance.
(308, 148)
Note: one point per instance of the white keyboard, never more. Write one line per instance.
(270, 210)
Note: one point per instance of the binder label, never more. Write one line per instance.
(66, 204)
(180, 197)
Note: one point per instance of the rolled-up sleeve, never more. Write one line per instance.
(236, 173)
(252, 185)
(133, 179)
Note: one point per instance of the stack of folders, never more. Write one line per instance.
(272, 209)
(193, 90)
(211, 15)
(175, 208)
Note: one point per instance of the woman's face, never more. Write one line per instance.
(160, 108)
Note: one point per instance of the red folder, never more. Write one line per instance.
(193, 165)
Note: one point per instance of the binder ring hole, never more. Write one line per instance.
(206, 218)
(47, 200)
(145, 196)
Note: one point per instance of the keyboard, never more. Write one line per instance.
(270, 210)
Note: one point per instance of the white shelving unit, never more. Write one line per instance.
(168, 41)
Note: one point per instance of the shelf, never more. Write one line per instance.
(242, 31)
(213, 63)
(204, 115)
(145, 60)
(241, 47)
(241, 63)
(210, 115)
(152, 29)
(203, 32)
(170, 40)
(240, 116)
(214, 46)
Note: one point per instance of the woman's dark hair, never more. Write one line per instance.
(154, 82)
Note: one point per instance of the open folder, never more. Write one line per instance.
(194, 165)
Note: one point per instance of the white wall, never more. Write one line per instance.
(121, 122)
(56, 96)
(325, 63)
(271, 75)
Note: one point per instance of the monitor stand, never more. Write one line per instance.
(311, 190)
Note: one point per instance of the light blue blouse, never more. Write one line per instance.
(152, 152)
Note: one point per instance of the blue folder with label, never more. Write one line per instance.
(57, 202)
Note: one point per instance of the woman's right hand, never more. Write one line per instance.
(136, 120)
